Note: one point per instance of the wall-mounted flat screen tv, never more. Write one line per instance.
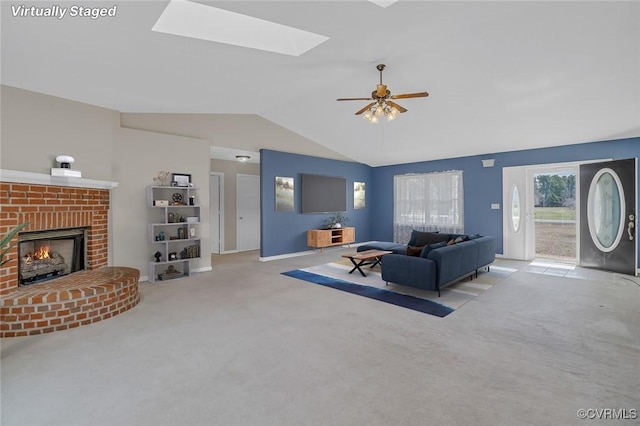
(323, 194)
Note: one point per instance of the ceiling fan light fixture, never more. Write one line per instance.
(383, 102)
(392, 114)
(371, 115)
(382, 109)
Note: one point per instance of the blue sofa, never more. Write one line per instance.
(436, 265)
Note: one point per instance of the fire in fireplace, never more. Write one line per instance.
(45, 255)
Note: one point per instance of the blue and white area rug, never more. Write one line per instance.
(336, 275)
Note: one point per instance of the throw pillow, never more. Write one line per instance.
(414, 236)
(474, 236)
(417, 237)
(426, 238)
(413, 251)
(427, 249)
(412, 240)
(461, 238)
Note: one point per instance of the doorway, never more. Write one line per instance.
(540, 217)
(554, 212)
(593, 224)
(248, 212)
(216, 211)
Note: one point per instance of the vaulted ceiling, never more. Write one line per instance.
(501, 76)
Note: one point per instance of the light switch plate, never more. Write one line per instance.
(495, 206)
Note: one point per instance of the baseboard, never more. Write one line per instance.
(285, 256)
(228, 252)
(305, 253)
(144, 278)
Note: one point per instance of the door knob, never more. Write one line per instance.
(630, 228)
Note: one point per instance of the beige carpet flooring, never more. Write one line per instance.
(245, 345)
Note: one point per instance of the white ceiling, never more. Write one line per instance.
(501, 76)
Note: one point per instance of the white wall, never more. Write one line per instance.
(140, 156)
(36, 128)
(247, 132)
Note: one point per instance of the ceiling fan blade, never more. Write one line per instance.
(381, 90)
(354, 99)
(410, 95)
(365, 108)
(396, 106)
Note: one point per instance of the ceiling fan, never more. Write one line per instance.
(382, 104)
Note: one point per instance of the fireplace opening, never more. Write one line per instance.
(45, 255)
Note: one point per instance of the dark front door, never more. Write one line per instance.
(608, 231)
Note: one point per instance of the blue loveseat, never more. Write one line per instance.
(442, 260)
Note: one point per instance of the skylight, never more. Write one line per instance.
(195, 20)
(383, 3)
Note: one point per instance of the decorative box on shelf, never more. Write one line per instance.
(169, 273)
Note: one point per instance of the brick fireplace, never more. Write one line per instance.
(48, 207)
(79, 298)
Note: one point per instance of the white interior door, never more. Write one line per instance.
(215, 212)
(248, 208)
(517, 217)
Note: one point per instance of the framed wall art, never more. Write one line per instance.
(181, 179)
(284, 194)
(358, 195)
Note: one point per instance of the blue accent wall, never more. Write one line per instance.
(286, 232)
(483, 186)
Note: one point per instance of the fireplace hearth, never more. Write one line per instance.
(45, 255)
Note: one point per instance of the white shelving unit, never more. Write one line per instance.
(173, 231)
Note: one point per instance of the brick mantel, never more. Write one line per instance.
(47, 202)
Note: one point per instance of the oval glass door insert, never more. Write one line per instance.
(605, 210)
(515, 209)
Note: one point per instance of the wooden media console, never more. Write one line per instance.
(321, 238)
